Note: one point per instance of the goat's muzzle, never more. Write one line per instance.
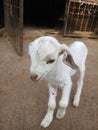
(34, 77)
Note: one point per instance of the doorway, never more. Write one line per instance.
(43, 13)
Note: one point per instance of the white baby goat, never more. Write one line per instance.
(57, 63)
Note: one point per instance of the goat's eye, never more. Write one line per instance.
(50, 61)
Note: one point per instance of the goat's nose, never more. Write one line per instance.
(34, 76)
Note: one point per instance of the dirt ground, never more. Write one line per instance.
(23, 103)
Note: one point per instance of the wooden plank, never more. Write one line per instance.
(80, 34)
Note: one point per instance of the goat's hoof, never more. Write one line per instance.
(46, 121)
(76, 103)
(60, 113)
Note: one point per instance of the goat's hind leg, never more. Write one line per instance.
(51, 107)
(79, 86)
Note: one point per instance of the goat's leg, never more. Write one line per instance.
(79, 86)
(64, 100)
(51, 107)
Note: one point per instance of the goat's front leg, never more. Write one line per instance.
(79, 86)
(64, 100)
(51, 107)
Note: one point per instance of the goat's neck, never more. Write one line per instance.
(56, 71)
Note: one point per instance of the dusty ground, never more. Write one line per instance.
(23, 104)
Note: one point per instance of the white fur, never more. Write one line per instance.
(58, 73)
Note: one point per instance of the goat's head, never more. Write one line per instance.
(43, 54)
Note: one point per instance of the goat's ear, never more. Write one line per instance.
(62, 49)
(67, 57)
(68, 60)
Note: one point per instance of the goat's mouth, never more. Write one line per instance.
(40, 78)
